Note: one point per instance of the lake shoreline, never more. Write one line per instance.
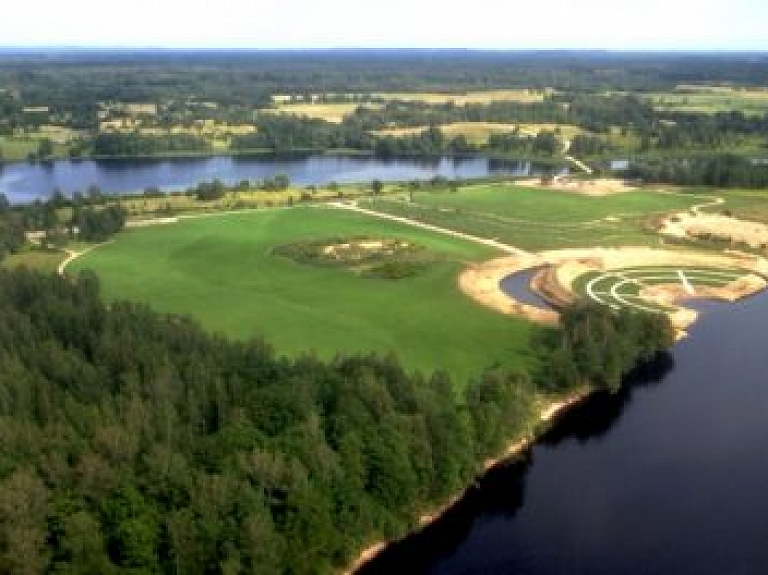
(296, 153)
(515, 449)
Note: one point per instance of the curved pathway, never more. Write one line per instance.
(72, 255)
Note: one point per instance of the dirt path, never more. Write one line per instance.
(512, 250)
(714, 201)
(72, 255)
(578, 163)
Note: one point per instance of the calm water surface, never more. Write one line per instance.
(670, 476)
(24, 182)
(518, 287)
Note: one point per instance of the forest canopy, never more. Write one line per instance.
(137, 442)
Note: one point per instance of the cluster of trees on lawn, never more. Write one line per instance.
(93, 220)
(136, 442)
(98, 224)
(216, 189)
(598, 345)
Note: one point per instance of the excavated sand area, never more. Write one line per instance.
(701, 225)
(593, 187)
(482, 282)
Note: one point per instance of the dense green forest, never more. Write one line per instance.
(54, 105)
(137, 443)
(77, 80)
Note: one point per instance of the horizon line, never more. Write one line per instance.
(265, 49)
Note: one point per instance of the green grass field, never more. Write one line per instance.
(220, 270)
(538, 219)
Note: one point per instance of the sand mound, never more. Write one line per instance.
(705, 226)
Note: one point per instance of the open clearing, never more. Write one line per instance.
(221, 270)
(535, 218)
(224, 270)
(333, 112)
(479, 132)
(712, 99)
(480, 97)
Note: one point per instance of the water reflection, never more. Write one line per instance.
(24, 182)
(595, 417)
(501, 492)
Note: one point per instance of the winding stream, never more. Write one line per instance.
(668, 476)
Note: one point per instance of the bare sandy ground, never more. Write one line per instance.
(481, 282)
(596, 187)
(702, 225)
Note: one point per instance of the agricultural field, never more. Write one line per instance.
(479, 97)
(479, 132)
(15, 148)
(331, 112)
(712, 99)
(225, 272)
(537, 219)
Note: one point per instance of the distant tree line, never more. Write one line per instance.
(74, 84)
(138, 145)
(724, 171)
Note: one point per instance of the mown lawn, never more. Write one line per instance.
(221, 271)
(538, 219)
(545, 205)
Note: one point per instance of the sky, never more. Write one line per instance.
(300, 24)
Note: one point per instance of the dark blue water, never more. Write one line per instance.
(24, 182)
(518, 287)
(669, 476)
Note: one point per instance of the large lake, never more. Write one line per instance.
(670, 476)
(25, 182)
